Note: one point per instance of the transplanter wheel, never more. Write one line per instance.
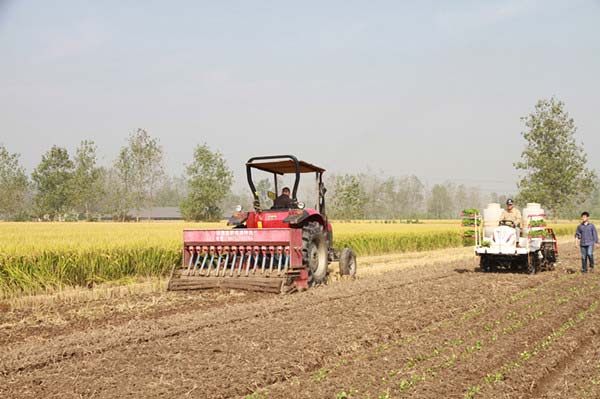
(314, 253)
(484, 264)
(347, 262)
(532, 263)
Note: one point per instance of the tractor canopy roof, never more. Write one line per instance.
(284, 166)
(281, 165)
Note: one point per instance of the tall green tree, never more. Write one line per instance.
(53, 182)
(87, 184)
(140, 169)
(554, 167)
(349, 199)
(13, 184)
(209, 181)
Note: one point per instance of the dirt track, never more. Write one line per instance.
(443, 330)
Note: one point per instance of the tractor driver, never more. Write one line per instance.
(283, 201)
(512, 214)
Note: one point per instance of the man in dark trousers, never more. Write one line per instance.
(283, 201)
(586, 237)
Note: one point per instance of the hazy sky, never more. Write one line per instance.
(434, 89)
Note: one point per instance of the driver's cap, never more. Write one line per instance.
(509, 201)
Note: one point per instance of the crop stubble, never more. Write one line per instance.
(438, 331)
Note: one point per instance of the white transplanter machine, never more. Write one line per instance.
(499, 247)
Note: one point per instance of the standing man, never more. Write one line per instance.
(586, 237)
(512, 214)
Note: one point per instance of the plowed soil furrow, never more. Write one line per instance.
(444, 330)
(486, 363)
(434, 357)
(253, 340)
(50, 320)
(102, 339)
(575, 371)
(541, 367)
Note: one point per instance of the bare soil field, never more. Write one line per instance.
(416, 326)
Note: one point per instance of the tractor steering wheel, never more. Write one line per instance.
(508, 223)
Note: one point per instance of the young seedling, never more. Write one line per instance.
(472, 391)
(321, 375)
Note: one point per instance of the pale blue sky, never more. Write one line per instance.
(430, 88)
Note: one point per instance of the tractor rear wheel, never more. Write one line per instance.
(314, 253)
(347, 262)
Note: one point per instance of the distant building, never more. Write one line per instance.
(157, 213)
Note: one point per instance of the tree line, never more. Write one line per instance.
(74, 187)
(553, 172)
(67, 186)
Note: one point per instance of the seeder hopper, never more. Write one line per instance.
(283, 248)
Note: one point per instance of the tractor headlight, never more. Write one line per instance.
(301, 205)
(238, 208)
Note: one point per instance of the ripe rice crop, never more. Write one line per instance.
(37, 257)
(382, 243)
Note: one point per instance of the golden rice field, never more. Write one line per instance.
(27, 238)
(36, 257)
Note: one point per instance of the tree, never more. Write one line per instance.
(171, 192)
(13, 184)
(554, 165)
(410, 197)
(114, 200)
(464, 197)
(474, 199)
(593, 203)
(392, 197)
(440, 204)
(140, 168)
(349, 199)
(87, 184)
(461, 200)
(209, 181)
(52, 179)
(380, 194)
(500, 199)
(263, 186)
(232, 200)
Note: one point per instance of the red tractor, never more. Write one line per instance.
(272, 249)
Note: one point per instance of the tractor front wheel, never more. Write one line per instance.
(348, 262)
(314, 253)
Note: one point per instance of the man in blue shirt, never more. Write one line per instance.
(586, 237)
